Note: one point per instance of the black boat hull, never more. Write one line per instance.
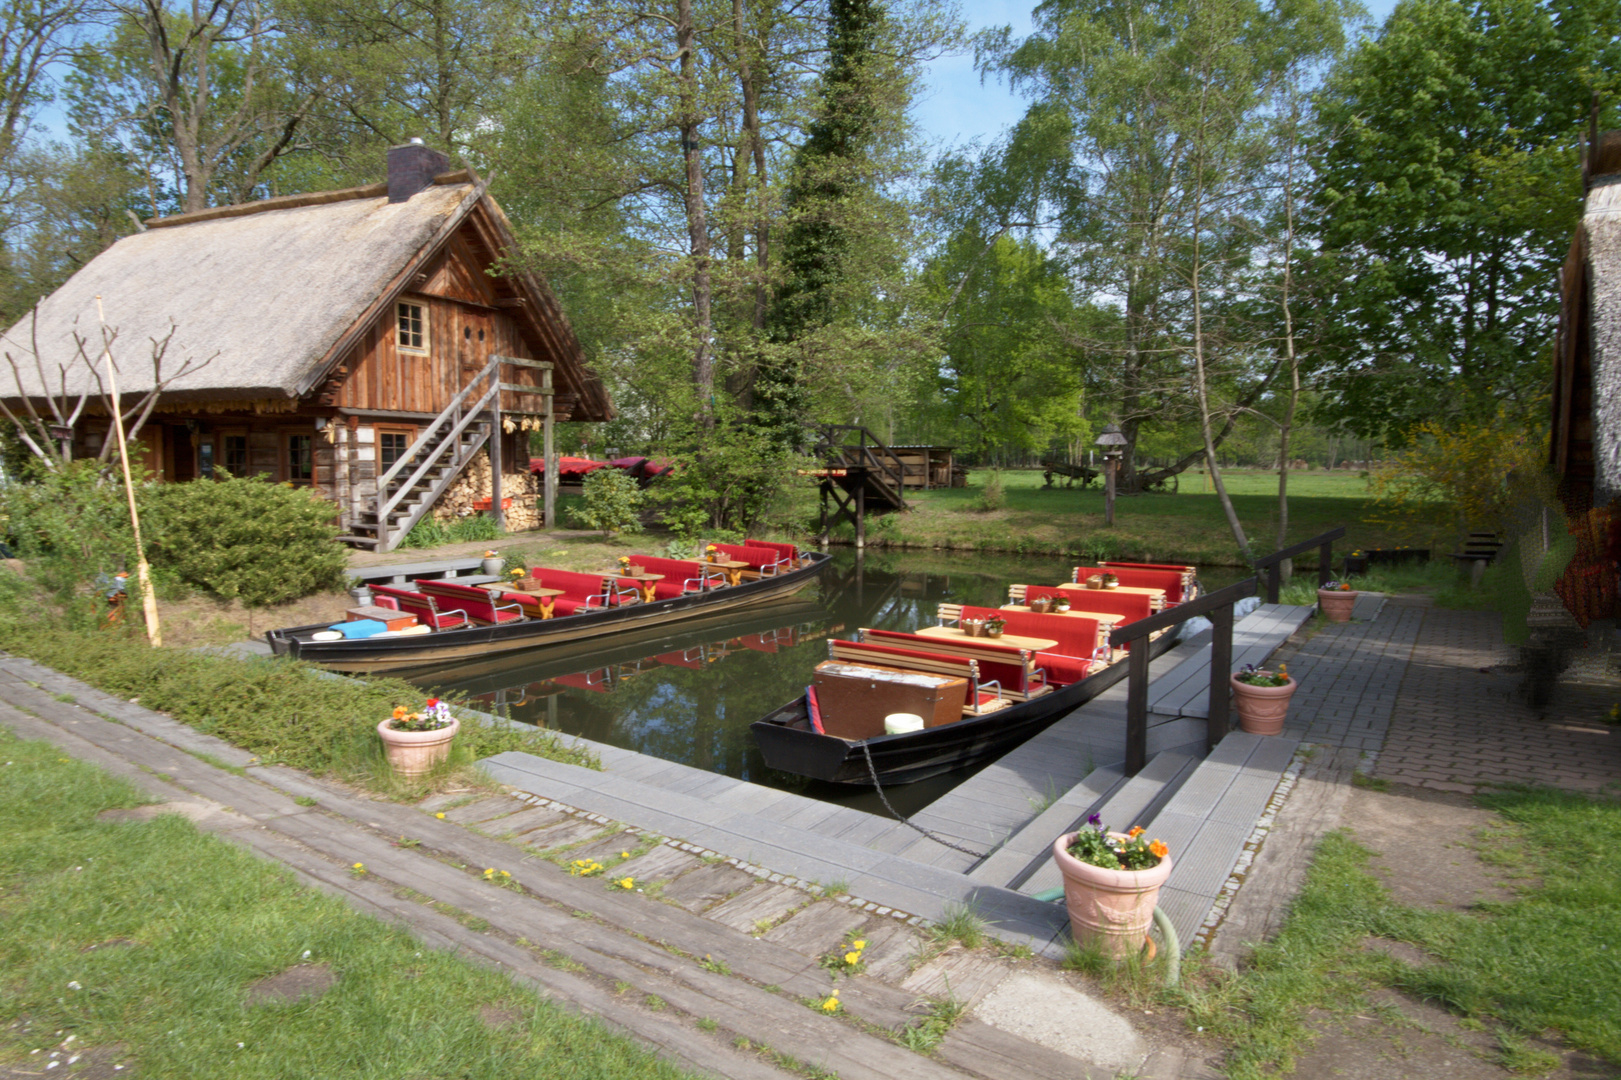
(789, 744)
(391, 654)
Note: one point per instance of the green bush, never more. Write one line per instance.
(70, 524)
(613, 503)
(249, 539)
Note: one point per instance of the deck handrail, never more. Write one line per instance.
(1218, 606)
(1272, 563)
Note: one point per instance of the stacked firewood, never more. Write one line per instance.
(473, 485)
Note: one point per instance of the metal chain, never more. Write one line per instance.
(873, 772)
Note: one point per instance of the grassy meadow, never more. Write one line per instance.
(1183, 526)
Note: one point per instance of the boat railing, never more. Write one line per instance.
(1218, 608)
(1273, 563)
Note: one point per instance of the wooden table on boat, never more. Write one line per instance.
(645, 582)
(732, 568)
(1106, 619)
(954, 633)
(1156, 597)
(543, 598)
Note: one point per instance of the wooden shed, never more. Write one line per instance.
(343, 337)
(926, 466)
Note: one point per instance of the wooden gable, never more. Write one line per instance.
(468, 315)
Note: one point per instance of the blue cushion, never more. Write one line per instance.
(360, 628)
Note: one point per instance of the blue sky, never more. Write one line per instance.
(955, 107)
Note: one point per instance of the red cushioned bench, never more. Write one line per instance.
(1012, 668)
(474, 601)
(423, 607)
(1074, 657)
(1141, 577)
(581, 592)
(680, 575)
(1129, 606)
(763, 561)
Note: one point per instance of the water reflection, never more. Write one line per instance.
(688, 693)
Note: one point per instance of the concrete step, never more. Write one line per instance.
(1130, 803)
(794, 836)
(1209, 822)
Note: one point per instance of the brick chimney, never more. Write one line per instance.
(411, 168)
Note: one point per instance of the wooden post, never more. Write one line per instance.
(1274, 582)
(826, 529)
(861, 513)
(1221, 669)
(1108, 487)
(149, 599)
(1325, 563)
(549, 485)
(1137, 707)
(495, 452)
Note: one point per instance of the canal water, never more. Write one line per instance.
(688, 693)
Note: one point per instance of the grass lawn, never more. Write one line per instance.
(1548, 959)
(137, 944)
(1185, 526)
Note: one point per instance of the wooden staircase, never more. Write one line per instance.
(858, 473)
(414, 483)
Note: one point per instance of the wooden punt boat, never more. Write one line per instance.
(405, 653)
(789, 743)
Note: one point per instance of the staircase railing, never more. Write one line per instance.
(888, 465)
(1273, 563)
(1218, 607)
(434, 444)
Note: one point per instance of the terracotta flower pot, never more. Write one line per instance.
(412, 753)
(1262, 709)
(1336, 604)
(1111, 909)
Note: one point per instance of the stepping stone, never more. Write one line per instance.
(763, 903)
(524, 821)
(1044, 1008)
(484, 810)
(661, 864)
(701, 888)
(959, 975)
(892, 946)
(819, 929)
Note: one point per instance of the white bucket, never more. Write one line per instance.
(902, 723)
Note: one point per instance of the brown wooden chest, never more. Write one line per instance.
(855, 698)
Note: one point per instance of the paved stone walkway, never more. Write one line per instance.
(1461, 725)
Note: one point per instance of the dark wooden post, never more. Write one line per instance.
(548, 505)
(1325, 562)
(495, 450)
(1221, 667)
(861, 512)
(1137, 708)
(1108, 487)
(1274, 582)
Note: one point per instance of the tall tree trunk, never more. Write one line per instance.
(703, 361)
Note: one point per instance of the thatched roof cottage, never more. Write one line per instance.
(329, 334)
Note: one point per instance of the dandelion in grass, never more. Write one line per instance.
(584, 867)
(440, 815)
(625, 883)
(357, 870)
(831, 1005)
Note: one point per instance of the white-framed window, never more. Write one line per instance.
(411, 327)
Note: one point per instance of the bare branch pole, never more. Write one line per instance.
(149, 600)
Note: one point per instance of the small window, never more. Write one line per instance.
(391, 446)
(412, 321)
(236, 455)
(300, 458)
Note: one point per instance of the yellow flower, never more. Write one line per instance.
(1136, 831)
(359, 866)
(506, 873)
(853, 958)
(831, 1005)
(440, 815)
(627, 883)
(515, 572)
(399, 712)
(858, 944)
(490, 872)
(624, 854)
(711, 547)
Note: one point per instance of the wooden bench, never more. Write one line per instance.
(976, 702)
(681, 576)
(1176, 585)
(763, 561)
(1106, 605)
(1081, 647)
(1013, 668)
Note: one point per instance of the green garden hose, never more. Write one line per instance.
(1173, 946)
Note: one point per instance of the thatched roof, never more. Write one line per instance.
(267, 290)
(1601, 226)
